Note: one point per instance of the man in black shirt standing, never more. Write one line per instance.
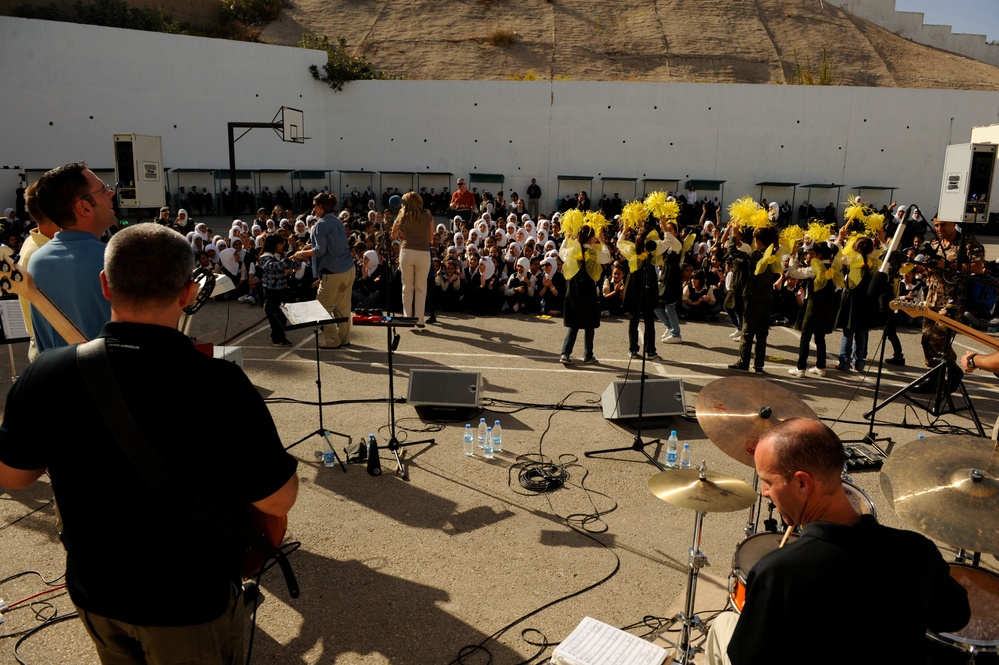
(533, 197)
(151, 583)
(799, 597)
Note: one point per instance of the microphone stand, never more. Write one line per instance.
(637, 444)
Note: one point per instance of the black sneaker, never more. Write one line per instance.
(281, 343)
(739, 367)
(896, 360)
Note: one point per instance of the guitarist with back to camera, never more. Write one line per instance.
(151, 582)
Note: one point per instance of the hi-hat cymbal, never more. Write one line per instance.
(735, 412)
(946, 487)
(715, 493)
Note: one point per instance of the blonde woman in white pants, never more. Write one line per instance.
(414, 226)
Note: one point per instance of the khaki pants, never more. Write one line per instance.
(334, 296)
(216, 642)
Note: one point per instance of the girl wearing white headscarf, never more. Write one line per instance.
(201, 230)
(551, 288)
(519, 286)
(369, 291)
(484, 288)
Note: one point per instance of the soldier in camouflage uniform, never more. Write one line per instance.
(943, 288)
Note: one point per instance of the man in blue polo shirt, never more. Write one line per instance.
(333, 265)
(67, 268)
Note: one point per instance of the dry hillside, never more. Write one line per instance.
(730, 41)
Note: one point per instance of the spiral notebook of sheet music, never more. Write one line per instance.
(594, 642)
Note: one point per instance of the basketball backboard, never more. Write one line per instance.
(290, 125)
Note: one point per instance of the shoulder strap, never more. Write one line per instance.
(98, 376)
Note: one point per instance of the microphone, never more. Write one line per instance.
(374, 463)
(881, 276)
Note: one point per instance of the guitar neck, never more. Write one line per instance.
(16, 281)
(968, 331)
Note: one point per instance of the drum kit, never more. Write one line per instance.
(945, 487)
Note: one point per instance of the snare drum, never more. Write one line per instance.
(859, 499)
(748, 554)
(981, 635)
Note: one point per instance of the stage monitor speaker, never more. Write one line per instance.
(663, 397)
(445, 389)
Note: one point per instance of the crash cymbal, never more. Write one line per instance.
(946, 487)
(734, 412)
(714, 493)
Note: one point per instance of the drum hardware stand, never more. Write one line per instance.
(755, 510)
(872, 438)
(687, 618)
(305, 315)
(637, 444)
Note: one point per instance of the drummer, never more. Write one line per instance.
(846, 574)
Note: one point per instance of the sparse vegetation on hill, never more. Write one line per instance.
(340, 67)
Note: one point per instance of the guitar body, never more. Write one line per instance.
(272, 529)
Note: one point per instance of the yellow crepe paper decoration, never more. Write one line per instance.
(573, 259)
(769, 260)
(688, 242)
(824, 274)
(634, 215)
(658, 204)
(854, 211)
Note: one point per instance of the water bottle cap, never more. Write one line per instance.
(482, 420)
(497, 421)
(469, 426)
(673, 433)
(686, 445)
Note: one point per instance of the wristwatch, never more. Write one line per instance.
(971, 361)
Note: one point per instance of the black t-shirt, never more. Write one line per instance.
(132, 554)
(864, 593)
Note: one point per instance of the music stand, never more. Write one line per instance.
(313, 315)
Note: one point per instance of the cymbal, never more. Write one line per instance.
(715, 493)
(735, 412)
(946, 487)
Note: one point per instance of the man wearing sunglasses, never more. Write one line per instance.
(67, 269)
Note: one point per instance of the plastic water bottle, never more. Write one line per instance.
(497, 437)
(685, 456)
(469, 441)
(487, 449)
(671, 450)
(329, 455)
(481, 438)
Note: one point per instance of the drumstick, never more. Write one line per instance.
(784, 539)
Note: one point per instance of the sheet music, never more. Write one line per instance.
(594, 642)
(12, 319)
(305, 313)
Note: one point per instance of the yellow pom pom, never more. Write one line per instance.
(634, 215)
(743, 211)
(818, 232)
(596, 221)
(659, 205)
(854, 212)
(791, 235)
(572, 222)
(873, 222)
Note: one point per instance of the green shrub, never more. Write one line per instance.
(117, 14)
(340, 66)
(252, 12)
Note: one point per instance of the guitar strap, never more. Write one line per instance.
(95, 368)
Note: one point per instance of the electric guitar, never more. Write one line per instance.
(920, 309)
(19, 282)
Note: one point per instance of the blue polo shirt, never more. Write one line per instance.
(67, 271)
(329, 242)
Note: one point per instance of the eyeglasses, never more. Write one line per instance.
(102, 190)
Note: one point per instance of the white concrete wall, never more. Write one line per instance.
(77, 85)
(910, 25)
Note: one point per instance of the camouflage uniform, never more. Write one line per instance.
(939, 294)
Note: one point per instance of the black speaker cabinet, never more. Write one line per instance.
(444, 389)
(663, 397)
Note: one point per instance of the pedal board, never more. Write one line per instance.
(862, 458)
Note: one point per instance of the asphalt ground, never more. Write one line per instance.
(411, 571)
